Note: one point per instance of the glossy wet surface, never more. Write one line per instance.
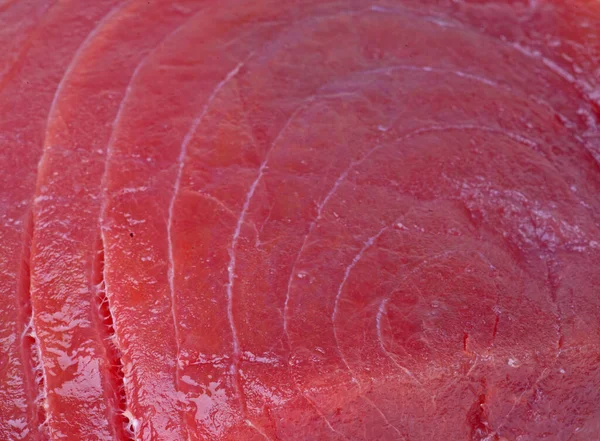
(300, 221)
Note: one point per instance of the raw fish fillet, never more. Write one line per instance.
(300, 220)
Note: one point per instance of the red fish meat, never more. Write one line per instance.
(300, 220)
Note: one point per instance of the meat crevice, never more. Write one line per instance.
(123, 424)
(30, 344)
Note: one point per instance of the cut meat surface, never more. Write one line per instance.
(308, 220)
(82, 361)
(41, 39)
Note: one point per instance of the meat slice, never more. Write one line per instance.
(34, 64)
(19, 23)
(357, 251)
(85, 397)
(167, 101)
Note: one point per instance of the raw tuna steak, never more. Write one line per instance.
(300, 221)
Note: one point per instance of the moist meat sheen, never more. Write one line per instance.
(300, 220)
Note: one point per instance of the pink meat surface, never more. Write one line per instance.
(300, 220)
